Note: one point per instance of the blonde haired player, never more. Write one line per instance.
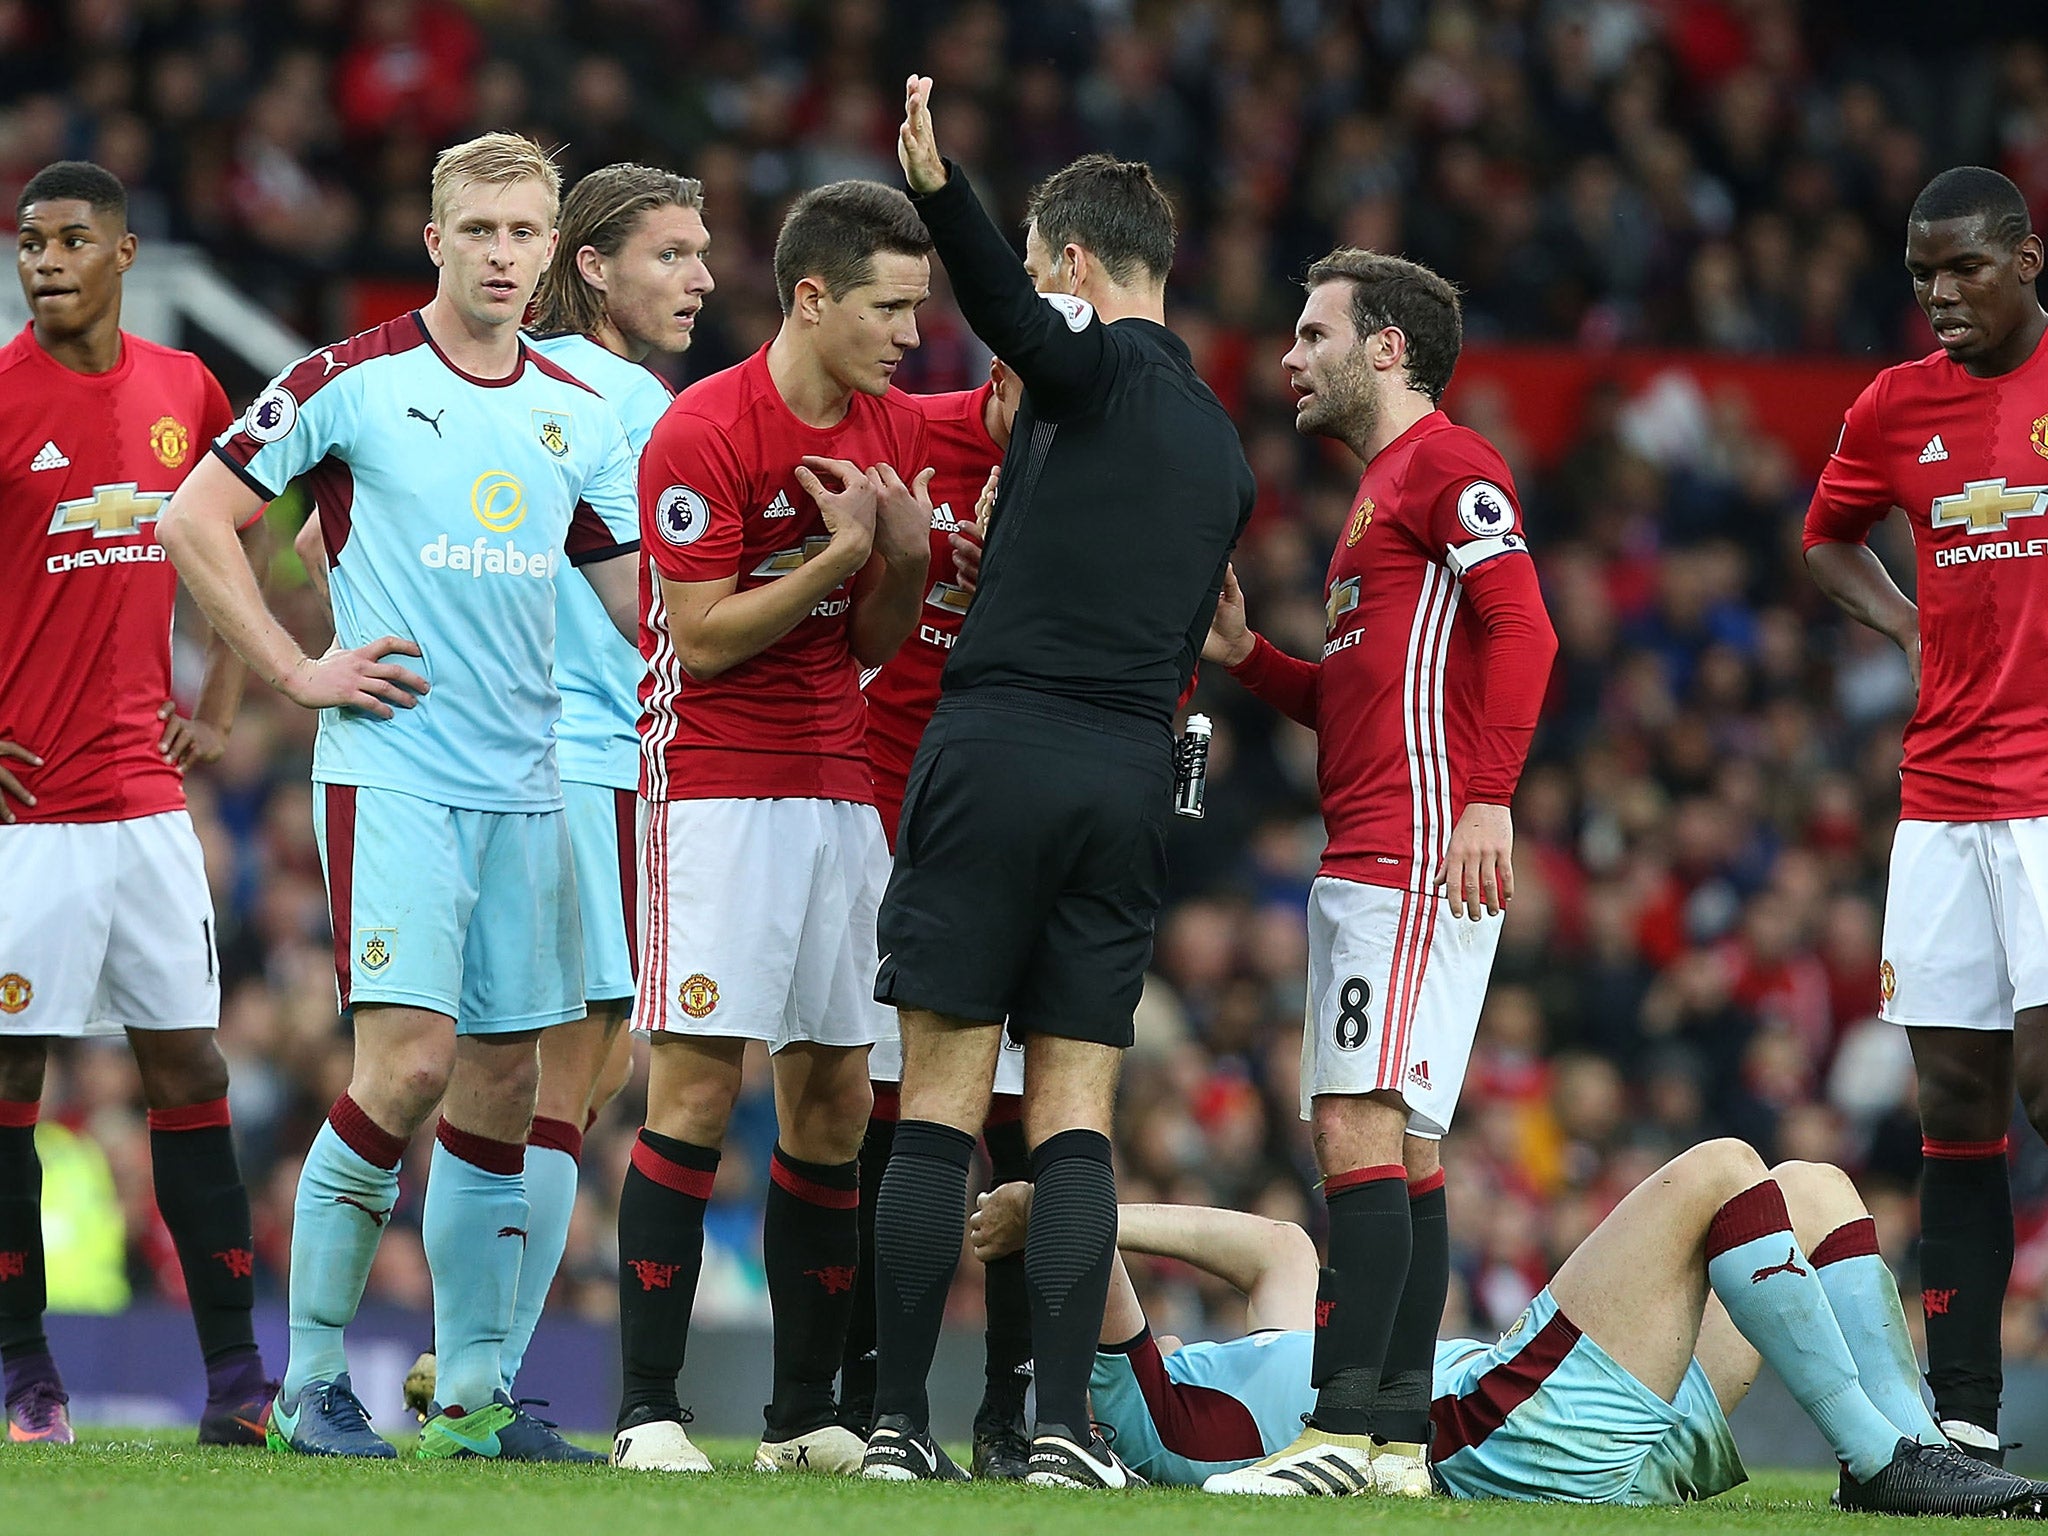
(460, 475)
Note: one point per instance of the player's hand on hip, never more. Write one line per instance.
(1478, 874)
(1001, 1221)
(903, 516)
(846, 499)
(1230, 636)
(186, 742)
(917, 144)
(357, 679)
(10, 786)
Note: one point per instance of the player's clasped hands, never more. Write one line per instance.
(848, 505)
(357, 679)
(903, 514)
(1477, 875)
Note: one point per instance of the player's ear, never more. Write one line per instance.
(124, 251)
(432, 236)
(554, 239)
(808, 301)
(590, 266)
(2029, 258)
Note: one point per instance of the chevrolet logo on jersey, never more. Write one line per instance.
(783, 561)
(1343, 599)
(111, 511)
(1983, 506)
(951, 599)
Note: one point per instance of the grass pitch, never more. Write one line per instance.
(126, 1484)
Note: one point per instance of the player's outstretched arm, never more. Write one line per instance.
(204, 737)
(715, 626)
(1855, 581)
(1272, 1262)
(890, 592)
(1286, 682)
(199, 529)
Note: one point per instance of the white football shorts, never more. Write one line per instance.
(1395, 985)
(1965, 923)
(757, 920)
(885, 1062)
(106, 926)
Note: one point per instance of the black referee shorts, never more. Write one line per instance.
(1030, 866)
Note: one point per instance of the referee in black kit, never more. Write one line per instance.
(1031, 859)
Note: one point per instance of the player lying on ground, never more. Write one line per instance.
(1612, 1388)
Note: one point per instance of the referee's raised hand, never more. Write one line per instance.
(917, 145)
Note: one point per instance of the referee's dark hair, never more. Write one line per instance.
(834, 233)
(1975, 192)
(76, 181)
(1114, 210)
(1392, 291)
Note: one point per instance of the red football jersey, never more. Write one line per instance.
(903, 693)
(87, 462)
(1436, 656)
(1968, 460)
(719, 497)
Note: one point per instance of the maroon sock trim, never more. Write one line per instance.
(1337, 1183)
(1757, 1212)
(1959, 1151)
(1005, 1109)
(505, 1158)
(814, 1191)
(1852, 1240)
(669, 1174)
(559, 1135)
(1428, 1184)
(18, 1116)
(191, 1117)
(888, 1102)
(364, 1136)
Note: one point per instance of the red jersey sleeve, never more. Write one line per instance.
(1515, 652)
(1474, 520)
(1855, 492)
(692, 495)
(1286, 682)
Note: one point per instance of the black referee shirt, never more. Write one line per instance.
(1123, 491)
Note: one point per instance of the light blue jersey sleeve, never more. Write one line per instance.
(302, 417)
(598, 671)
(1205, 1408)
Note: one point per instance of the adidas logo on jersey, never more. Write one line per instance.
(943, 520)
(1934, 452)
(49, 456)
(780, 506)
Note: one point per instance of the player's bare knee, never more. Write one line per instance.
(826, 1125)
(179, 1067)
(21, 1068)
(1819, 1196)
(1720, 1169)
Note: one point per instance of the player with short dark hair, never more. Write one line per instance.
(1031, 861)
(461, 477)
(1959, 440)
(106, 921)
(1613, 1387)
(1435, 658)
(786, 552)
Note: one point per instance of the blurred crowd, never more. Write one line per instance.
(1693, 947)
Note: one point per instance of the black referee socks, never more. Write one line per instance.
(920, 1219)
(1066, 1270)
(1008, 1331)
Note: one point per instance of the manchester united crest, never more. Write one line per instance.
(15, 992)
(2039, 437)
(698, 995)
(553, 429)
(172, 443)
(1361, 519)
(1887, 981)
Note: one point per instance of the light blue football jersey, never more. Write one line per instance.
(597, 740)
(451, 507)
